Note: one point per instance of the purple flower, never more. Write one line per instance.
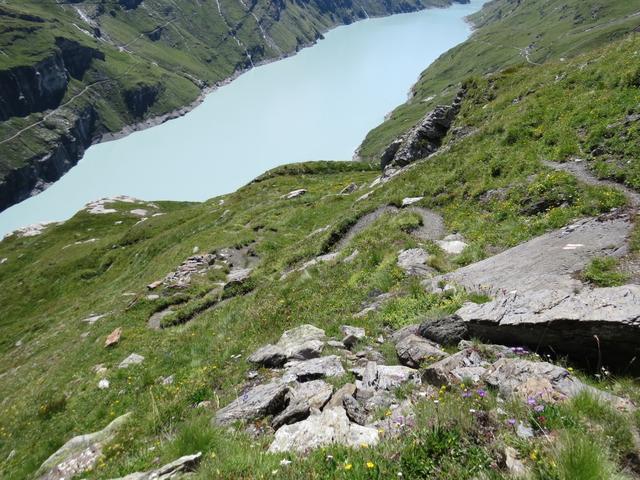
(466, 394)
(531, 401)
(481, 393)
(539, 408)
(511, 421)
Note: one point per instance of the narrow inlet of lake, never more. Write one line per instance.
(316, 105)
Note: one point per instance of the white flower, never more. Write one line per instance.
(472, 410)
(284, 462)
(436, 401)
(103, 384)
(274, 472)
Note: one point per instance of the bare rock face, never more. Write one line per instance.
(258, 402)
(603, 321)
(175, 469)
(329, 427)
(79, 454)
(414, 350)
(300, 343)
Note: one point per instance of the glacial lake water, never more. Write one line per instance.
(316, 105)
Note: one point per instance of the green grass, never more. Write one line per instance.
(603, 272)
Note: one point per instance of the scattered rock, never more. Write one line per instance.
(300, 343)
(79, 454)
(452, 246)
(154, 285)
(410, 201)
(455, 368)
(352, 256)
(321, 429)
(167, 380)
(348, 389)
(172, 470)
(238, 276)
(357, 332)
(303, 397)
(315, 368)
(354, 410)
(527, 379)
(352, 187)
(386, 377)
(113, 338)
(31, 230)
(133, 359)
(446, 331)
(294, 194)
(398, 335)
(414, 350)
(260, 401)
(93, 318)
(515, 467)
(414, 261)
(181, 277)
(139, 212)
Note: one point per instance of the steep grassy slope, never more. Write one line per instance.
(486, 186)
(509, 32)
(72, 71)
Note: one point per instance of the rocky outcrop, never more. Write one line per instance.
(79, 454)
(599, 326)
(413, 350)
(42, 86)
(446, 331)
(140, 98)
(425, 138)
(74, 137)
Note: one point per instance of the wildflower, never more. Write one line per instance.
(284, 462)
(539, 408)
(466, 393)
(348, 466)
(364, 445)
(533, 455)
(570, 370)
(370, 464)
(531, 401)
(387, 413)
(511, 421)
(399, 474)
(472, 410)
(436, 401)
(481, 393)
(274, 472)
(329, 457)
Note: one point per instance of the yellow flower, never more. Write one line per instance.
(570, 370)
(370, 464)
(534, 455)
(348, 466)
(364, 445)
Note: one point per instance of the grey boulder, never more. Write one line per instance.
(445, 331)
(303, 371)
(300, 343)
(413, 351)
(260, 401)
(181, 466)
(302, 398)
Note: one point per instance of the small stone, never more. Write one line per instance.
(414, 350)
(515, 467)
(352, 187)
(354, 410)
(168, 380)
(335, 344)
(523, 431)
(139, 212)
(113, 338)
(358, 332)
(380, 339)
(452, 247)
(414, 261)
(154, 285)
(348, 389)
(133, 359)
(294, 194)
(410, 201)
(153, 297)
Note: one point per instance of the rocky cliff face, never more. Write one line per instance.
(35, 176)
(40, 87)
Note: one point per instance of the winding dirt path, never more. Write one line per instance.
(581, 171)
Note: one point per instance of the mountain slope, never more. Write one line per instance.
(489, 183)
(73, 71)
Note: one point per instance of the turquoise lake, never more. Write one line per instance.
(316, 105)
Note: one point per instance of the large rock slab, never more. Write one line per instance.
(177, 468)
(414, 350)
(549, 261)
(303, 371)
(79, 454)
(524, 379)
(300, 343)
(603, 321)
(260, 401)
(331, 426)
